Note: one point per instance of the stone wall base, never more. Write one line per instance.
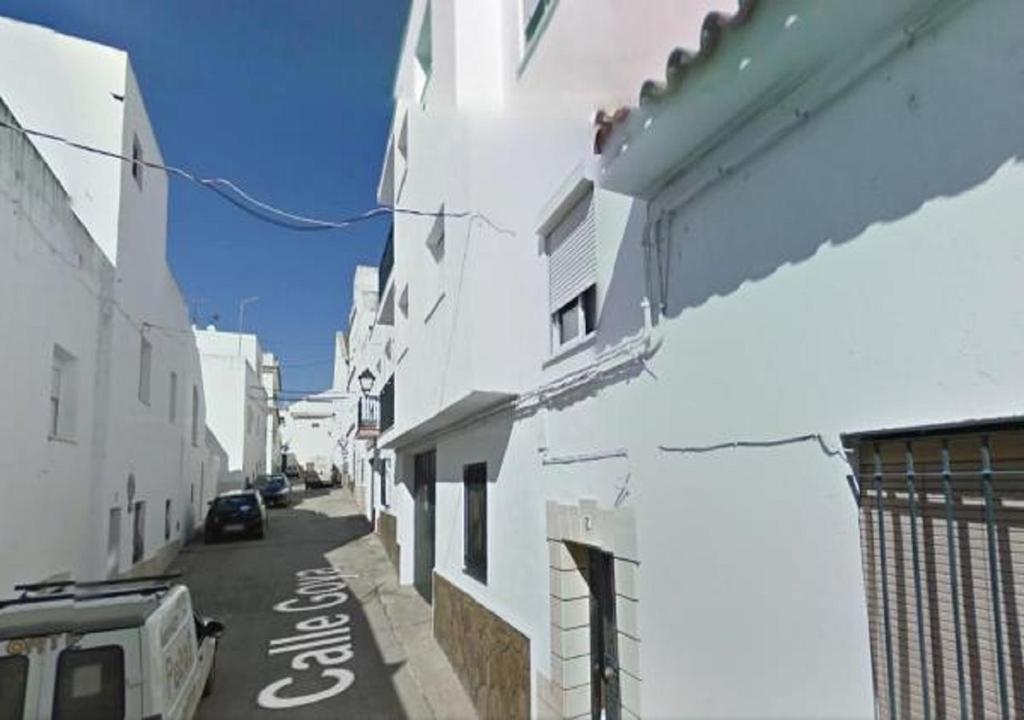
(491, 658)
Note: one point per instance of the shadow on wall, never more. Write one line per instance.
(621, 311)
(934, 123)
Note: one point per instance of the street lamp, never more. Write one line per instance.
(241, 316)
(366, 379)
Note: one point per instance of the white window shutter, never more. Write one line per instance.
(572, 253)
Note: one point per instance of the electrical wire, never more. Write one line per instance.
(700, 449)
(245, 201)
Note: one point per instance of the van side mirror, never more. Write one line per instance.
(212, 628)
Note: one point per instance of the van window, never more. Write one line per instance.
(13, 676)
(90, 683)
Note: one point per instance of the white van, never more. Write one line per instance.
(128, 649)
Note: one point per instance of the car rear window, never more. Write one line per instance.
(13, 678)
(90, 683)
(235, 502)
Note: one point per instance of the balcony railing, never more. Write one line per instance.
(387, 404)
(368, 425)
(387, 262)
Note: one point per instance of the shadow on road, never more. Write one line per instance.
(239, 582)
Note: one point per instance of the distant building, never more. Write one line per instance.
(368, 359)
(237, 402)
(105, 404)
(310, 434)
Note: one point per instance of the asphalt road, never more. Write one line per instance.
(239, 582)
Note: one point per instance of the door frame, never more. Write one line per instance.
(573, 532)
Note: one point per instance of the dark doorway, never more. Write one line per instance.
(425, 481)
(604, 642)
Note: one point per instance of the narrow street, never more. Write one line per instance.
(240, 582)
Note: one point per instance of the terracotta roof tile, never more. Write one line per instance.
(681, 62)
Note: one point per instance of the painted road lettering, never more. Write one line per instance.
(321, 642)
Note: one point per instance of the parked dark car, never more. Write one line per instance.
(293, 472)
(276, 490)
(236, 512)
(311, 478)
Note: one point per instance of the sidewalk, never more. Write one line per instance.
(400, 619)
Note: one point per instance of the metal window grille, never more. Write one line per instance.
(942, 536)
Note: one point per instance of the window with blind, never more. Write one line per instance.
(942, 536)
(571, 247)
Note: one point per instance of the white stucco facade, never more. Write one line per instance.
(370, 349)
(310, 434)
(787, 277)
(113, 319)
(237, 409)
(272, 387)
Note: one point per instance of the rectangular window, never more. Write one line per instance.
(167, 519)
(575, 319)
(940, 520)
(90, 683)
(13, 680)
(435, 240)
(139, 532)
(137, 161)
(55, 399)
(173, 411)
(145, 368)
(195, 416)
(113, 542)
(474, 478)
(423, 65)
(534, 17)
(62, 395)
(571, 248)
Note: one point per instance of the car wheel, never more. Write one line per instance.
(209, 538)
(208, 687)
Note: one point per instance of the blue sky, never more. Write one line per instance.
(290, 99)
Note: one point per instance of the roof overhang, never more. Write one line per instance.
(784, 58)
(474, 402)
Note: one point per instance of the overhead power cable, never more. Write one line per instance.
(245, 201)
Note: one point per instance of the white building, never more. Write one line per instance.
(369, 361)
(272, 387)
(310, 434)
(236, 400)
(105, 403)
(623, 383)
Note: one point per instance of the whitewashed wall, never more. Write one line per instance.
(99, 103)
(857, 275)
(500, 137)
(236, 401)
(55, 276)
(310, 433)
